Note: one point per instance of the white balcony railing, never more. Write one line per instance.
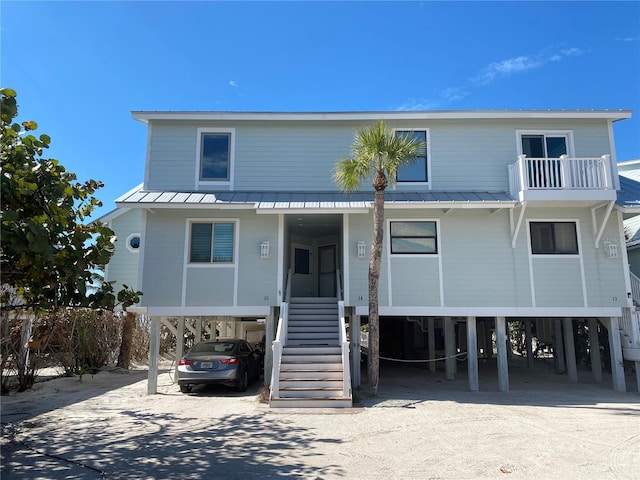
(562, 173)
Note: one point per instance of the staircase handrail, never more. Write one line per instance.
(344, 344)
(630, 325)
(281, 339)
(635, 288)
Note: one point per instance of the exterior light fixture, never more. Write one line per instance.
(361, 249)
(610, 249)
(264, 249)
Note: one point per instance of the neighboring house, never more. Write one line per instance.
(630, 185)
(507, 215)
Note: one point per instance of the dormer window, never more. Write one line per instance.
(417, 171)
(215, 155)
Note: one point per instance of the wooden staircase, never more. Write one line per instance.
(311, 370)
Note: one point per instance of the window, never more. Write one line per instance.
(211, 242)
(133, 242)
(417, 169)
(553, 238)
(544, 145)
(302, 263)
(215, 155)
(413, 237)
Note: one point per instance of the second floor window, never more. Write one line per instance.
(417, 170)
(544, 145)
(215, 156)
(211, 242)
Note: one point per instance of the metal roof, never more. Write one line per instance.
(274, 201)
(629, 195)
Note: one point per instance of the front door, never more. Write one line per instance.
(327, 271)
(302, 280)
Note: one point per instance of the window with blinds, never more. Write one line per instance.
(211, 242)
(553, 238)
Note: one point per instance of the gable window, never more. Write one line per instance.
(214, 164)
(413, 237)
(133, 242)
(215, 155)
(211, 242)
(553, 238)
(416, 170)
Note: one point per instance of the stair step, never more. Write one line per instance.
(337, 402)
(327, 392)
(310, 383)
(319, 322)
(312, 328)
(310, 349)
(313, 300)
(311, 374)
(311, 367)
(314, 358)
(312, 342)
(316, 313)
(312, 334)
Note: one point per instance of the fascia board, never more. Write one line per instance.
(146, 116)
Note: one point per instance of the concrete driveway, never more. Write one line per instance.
(420, 426)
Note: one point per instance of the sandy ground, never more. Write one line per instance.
(420, 426)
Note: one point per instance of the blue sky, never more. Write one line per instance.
(80, 68)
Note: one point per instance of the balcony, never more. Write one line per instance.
(562, 179)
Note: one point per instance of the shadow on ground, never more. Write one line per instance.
(151, 446)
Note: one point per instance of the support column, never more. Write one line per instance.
(558, 350)
(617, 362)
(154, 352)
(431, 343)
(503, 366)
(570, 349)
(269, 337)
(354, 329)
(594, 350)
(472, 354)
(528, 341)
(179, 347)
(449, 340)
(198, 329)
(488, 339)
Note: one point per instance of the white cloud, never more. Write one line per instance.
(494, 71)
(232, 83)
(418, 104)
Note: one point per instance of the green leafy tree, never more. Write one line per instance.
(376, 154)
(50, 255)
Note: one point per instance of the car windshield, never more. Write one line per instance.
(213, 347)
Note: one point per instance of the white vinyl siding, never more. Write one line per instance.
(276, 156)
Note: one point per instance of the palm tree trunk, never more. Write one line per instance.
(373, 362)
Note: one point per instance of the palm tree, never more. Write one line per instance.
(376, 153)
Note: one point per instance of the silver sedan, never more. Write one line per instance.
(231, 362)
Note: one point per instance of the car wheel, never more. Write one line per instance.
(243, 381)
(185, 388)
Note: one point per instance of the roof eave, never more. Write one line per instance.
(614, 115)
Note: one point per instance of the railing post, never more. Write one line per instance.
(275, 376)
(522, 172)
(606, 167)
(565, 173)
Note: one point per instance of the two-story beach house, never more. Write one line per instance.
(239, 228)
